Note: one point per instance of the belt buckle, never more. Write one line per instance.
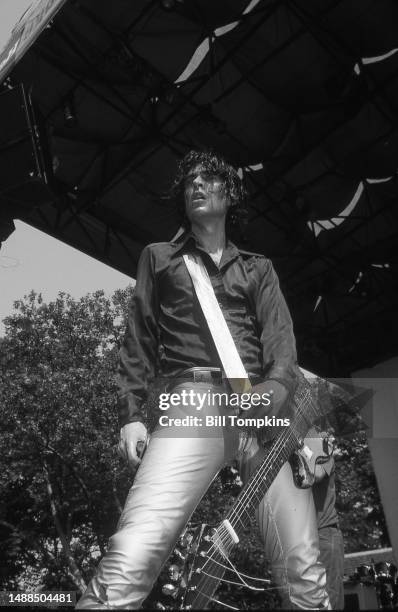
(207, 375)
(196, 376)
(201, 376)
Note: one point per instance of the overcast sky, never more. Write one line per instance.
(29, 259)
(10, 12)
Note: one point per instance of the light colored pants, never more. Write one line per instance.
(177, 469)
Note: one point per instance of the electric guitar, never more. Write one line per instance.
(207, 548)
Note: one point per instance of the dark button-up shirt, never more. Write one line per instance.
(166, 324)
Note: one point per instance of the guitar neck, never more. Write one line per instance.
(284, 445)
(244, 509)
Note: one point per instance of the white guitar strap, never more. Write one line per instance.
(225, 345)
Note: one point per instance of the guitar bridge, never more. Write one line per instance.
(223, 538)
(231, 531)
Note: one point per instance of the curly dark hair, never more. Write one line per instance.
(216, 164)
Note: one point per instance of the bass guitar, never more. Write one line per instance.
(208, 548)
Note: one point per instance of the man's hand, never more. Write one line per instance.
(133, 440)
(277, 394)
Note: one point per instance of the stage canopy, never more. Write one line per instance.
(301, 95)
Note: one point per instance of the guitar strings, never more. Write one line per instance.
(234, 582)
(243, 582)
(258, 476)
(220, 602)
(221, 536)
(221, 532)
(224, 535)
(280, 442)
(241, 574)
(287, 436)
(210, 578)
(248, 586)
(252, 486)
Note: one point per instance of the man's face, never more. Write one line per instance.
(205, 195)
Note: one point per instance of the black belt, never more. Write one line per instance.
(208, 375)
(198, 374)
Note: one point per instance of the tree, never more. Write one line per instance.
(358, 501)
(62, 483)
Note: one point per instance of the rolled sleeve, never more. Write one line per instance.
(138, 354)
(277, 337)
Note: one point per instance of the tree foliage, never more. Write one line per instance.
(62, 483)
(358, 502)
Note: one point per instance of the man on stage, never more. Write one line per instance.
(167, 326)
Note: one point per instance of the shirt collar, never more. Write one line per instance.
(180, 242)
(188, 239)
